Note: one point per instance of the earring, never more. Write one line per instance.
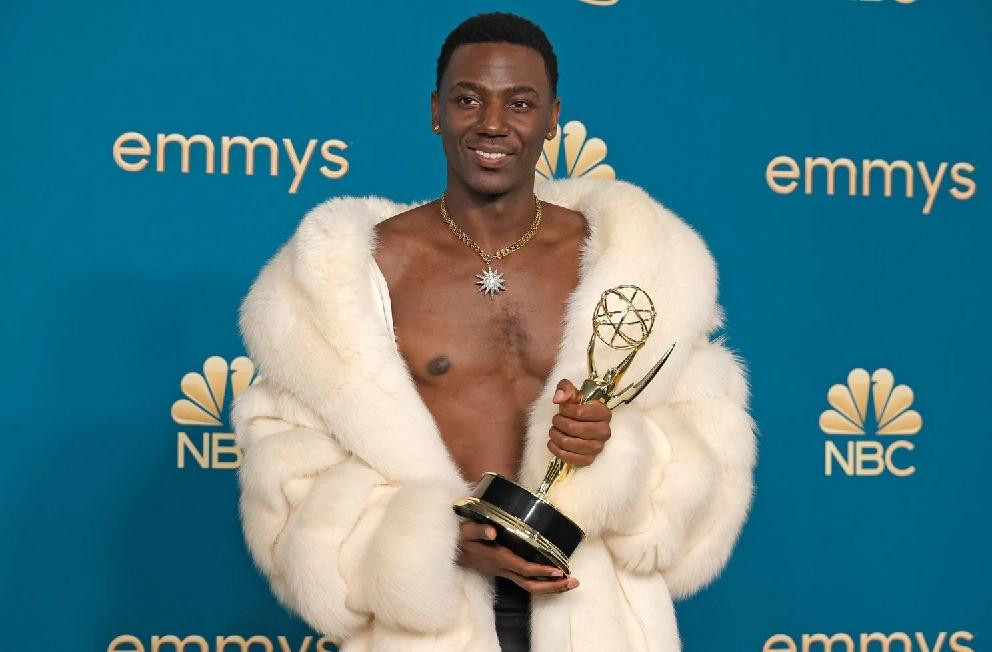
(437, 129)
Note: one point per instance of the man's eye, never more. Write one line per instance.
(461, 100)
(525, 104)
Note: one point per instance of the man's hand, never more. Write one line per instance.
(579, 431)
(477, 550)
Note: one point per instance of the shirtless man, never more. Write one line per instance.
(480, 361)
(388, 383)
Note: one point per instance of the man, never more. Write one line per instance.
(404, 350)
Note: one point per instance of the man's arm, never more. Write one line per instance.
(337, 542)
(701, 484)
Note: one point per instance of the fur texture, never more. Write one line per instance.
(346, 508)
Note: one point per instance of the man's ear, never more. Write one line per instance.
(435, 106)
(555, 109)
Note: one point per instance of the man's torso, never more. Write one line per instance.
(479, 362)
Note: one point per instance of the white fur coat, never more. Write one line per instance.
(347, 486)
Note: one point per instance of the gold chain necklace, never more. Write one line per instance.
(490, 280)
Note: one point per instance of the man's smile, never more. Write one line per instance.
(490, 157)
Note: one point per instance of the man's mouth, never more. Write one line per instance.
(490, 157)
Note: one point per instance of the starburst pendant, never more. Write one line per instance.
(490, 281)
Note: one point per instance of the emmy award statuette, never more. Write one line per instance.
(525, 521)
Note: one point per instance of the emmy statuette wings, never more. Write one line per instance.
(490, 280)
(623, 319)
(526, 522)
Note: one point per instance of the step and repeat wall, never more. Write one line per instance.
(833, 153)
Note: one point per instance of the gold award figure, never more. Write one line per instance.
(525, 521)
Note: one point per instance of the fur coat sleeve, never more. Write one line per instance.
(700, 485)
(338, 543)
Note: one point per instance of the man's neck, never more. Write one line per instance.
(493, 221)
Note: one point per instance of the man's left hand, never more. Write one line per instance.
(579, 431)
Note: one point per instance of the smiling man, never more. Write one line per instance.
(405, 350)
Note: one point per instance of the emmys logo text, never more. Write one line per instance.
(918, 642)
(857, 456)
(132, 151)
(783, 173)
(230, 643)
(203, 408)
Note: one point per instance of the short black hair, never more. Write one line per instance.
(496, 27)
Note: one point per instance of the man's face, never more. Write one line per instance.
(496, 98)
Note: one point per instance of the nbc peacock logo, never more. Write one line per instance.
(849, 418)
(583, 156)
(203, 408)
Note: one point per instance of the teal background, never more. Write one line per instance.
(115, 284)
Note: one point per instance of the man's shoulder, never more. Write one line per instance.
(402, 238)
(408, 225)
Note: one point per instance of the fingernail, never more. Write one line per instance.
(559, 395)
(557, 573)
(572, 583)
(490, 533)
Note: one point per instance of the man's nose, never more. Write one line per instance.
(492, 119)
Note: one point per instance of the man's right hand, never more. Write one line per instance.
(478, 550)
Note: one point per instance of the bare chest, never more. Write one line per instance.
(449, 332)
(480, 362)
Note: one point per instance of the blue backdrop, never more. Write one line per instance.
(119, 279)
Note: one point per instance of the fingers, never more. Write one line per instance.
(472, 531)
(566, 392)
(568, 398)
(592, 411)
(579, 430)
(506, 559)
(495, 559)
(575, 459)
(576, 445)
(510, 561)
(541, 586)
(478, 540)
(591, 430)
(577, 442)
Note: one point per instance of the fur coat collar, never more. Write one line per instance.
(312, 328)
